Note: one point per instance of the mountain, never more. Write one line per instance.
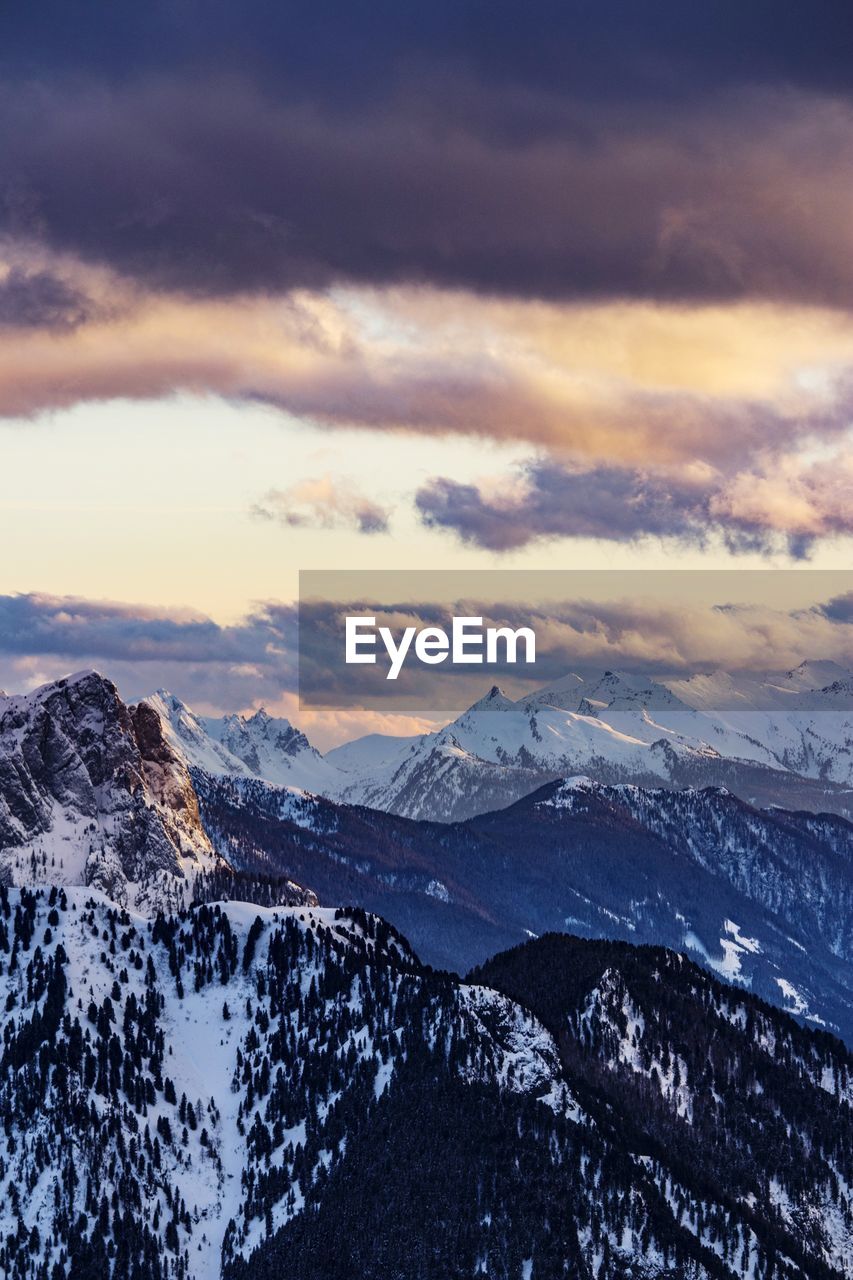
(782, 739)
(97, 793)
(257, 746)
(369, 751)
(800, 720)
(771, 740)
(236, 1092)
(92, 792)
(664, 1058)
(761, 897)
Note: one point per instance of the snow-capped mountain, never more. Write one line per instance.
(775, 740)
(98, 793)
(233, 1092)
(783, 739)
(256, 746)
(92, 793)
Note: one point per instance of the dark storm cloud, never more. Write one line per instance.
(337, 49)
(565, 150)
(39, 300)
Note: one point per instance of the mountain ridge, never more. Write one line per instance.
(774, 740)
(231, 1092)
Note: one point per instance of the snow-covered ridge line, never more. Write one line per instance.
(788, 732)
(210, 1091)
(164, 1032)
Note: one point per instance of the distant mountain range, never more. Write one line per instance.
(784, 739)
(763, 898)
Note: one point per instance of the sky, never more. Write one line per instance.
(475, 286)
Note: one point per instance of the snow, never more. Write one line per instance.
(201, 1048)
(529, 1061)
(258, 746)
(734, 947)
(86, 797)
(801, 720)
(369, 751)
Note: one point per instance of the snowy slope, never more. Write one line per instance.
(773, 739)
(258, 746)
(763, 897)
(802, 720)
(644, 734)
(246, 1093)
(371, 751)
(189, 999)
(630, 1016)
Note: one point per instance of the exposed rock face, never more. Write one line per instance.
(91, 792)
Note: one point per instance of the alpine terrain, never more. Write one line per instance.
(783, 739)
(236, 1042)
(237, 1092)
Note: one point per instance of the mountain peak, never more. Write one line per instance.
(816, 673)
(494, 700)
(261, 718)
(166, 699)
(102, 783)
(88, 678)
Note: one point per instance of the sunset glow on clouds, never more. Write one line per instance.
(510, 292)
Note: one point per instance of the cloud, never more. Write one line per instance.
(614, 50)
(631, 385)
(788, 505)
(325, 503)
(804, 502)
(839, 608)
(610, 50)
(72, 627)
(40, 300)
(607, 502)
(218, 668)
(218, 186)
(144, 647)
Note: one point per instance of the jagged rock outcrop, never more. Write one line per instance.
(91, 792)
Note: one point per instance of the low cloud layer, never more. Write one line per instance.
(143, 648)
(224, 668)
